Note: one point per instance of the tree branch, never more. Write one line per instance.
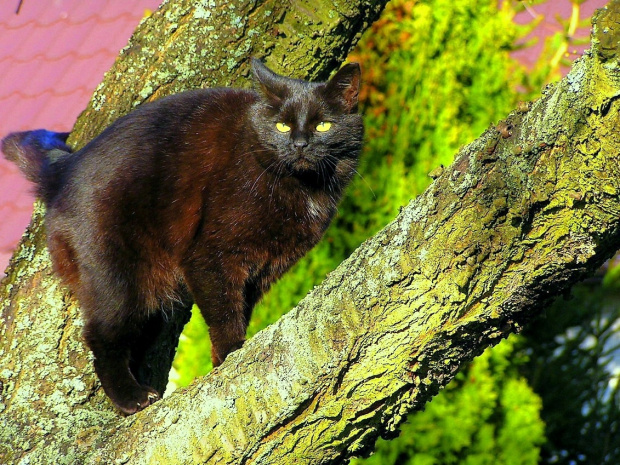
(51, 403)
(526, 210)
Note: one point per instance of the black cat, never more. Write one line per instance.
(213, 193)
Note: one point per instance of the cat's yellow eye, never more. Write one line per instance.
(324, 126)
(282, 127)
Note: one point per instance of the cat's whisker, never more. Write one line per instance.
(280, 166)
(264, 171)
(332, 182)
(374, 196)
(261, 175)
(354, 170)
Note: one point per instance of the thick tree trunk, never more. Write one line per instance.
(526, 210)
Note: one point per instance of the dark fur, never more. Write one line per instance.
(197, 192)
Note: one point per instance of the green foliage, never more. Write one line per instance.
(574, 365)
(487, 415)
(193, 357)
(438, 74)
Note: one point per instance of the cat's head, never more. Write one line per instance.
(314, 128)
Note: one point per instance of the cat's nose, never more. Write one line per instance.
(300, 143)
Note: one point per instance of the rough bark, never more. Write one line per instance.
(51, 403)
(526, 210)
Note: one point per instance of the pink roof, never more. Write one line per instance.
(52, 54)
(548, 12)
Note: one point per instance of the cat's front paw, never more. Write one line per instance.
(138, 399)
(219, 354)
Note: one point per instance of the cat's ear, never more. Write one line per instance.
(344, 87)
(272, 85)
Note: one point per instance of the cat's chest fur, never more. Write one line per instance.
(268, 220)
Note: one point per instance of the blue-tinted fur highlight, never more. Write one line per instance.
(47, 140)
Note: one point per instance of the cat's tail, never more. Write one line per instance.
(39, 155)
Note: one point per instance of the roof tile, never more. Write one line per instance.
(53, 54)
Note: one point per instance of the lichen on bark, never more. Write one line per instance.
(526, 210)
(49, 395)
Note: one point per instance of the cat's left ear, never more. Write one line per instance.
(272, 85)
(344, 87)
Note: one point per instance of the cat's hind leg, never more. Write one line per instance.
(113, 324)
(112, 352)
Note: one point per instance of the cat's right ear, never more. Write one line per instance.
(344, 87)
(272, 85)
